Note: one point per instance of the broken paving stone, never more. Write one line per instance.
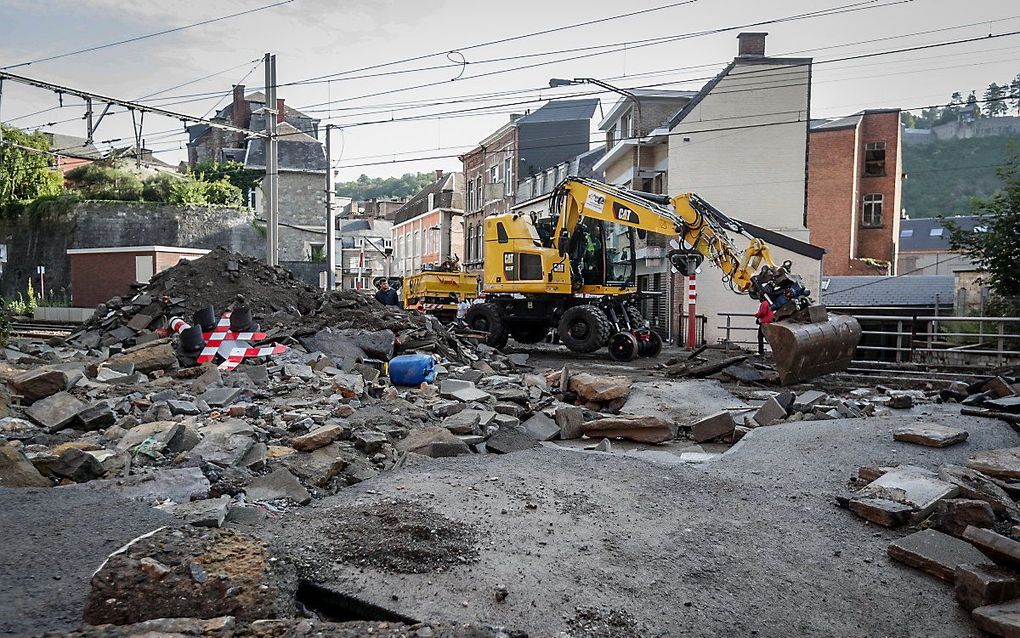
(318, 467)
(1002, 549)
(435, 442)
(76, 465)
(712, 427)
(770, 412)
(210, 512)
(999, 620)
(298, 371)
(179, 485)
(1003, 463)
(644, 429)
(919, 491)
(115, 463)
(39, 383)
(219, 397)
(981, 585)
(225, 443)
(148, 358)
(900, 402)
(1006, 404)
(570, 420)
(350, 385)
(369, 441)
(999, 387)
(541, 428)
(277, 485)
(930, 434)
(317, 438)
(55, 412)
(975, 485)
(807, 400)
(208, 573)
(954, 515)
(744, 373)
(464, 422)
(186, 408)
(446, 408)
(17, 471)
(507, 440)
(599, 388)
(935, 553)
(881, 511)
(96, 417)
(505, 420)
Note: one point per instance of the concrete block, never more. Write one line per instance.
(1000, 548)
(916, 490)
(769, 413)
(541, 428)
(1002, 464)
(571, 421)
(982, 585)
(930, 434)
(713, 426)
(935, 553)
(881, 511)
(999, 620)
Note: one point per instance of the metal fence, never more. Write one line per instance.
(927, 339)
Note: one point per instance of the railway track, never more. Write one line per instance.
(41, 330)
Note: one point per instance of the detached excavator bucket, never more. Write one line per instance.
(803, 351)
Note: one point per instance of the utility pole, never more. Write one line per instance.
(272, 169)
(330, 219)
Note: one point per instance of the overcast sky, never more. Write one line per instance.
(313, 38)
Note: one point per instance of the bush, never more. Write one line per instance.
(159, 187)
(187, 191)
(224, 193)
(94, 181)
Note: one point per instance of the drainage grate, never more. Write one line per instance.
(339, 607)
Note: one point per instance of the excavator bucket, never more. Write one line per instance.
(804, 350)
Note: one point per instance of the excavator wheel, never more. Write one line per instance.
(488, 317)
(623, 346)
(650, 345)
(584, 328)
(803, 351)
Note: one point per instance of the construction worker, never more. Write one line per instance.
(386, 295)
(762, 317)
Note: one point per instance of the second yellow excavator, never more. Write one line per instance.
(575, 271)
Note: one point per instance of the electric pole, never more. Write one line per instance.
(330, 220)
(272, 169)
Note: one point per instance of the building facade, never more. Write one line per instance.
(855, 191)
(429, 229)
(741, 143)
(363, 251)
(924, 246)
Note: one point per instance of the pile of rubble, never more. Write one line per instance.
(997, 397)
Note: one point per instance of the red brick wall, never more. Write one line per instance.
(831, 209)
(95, 278)
(879, 243)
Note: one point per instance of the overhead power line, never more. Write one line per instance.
(147, 36)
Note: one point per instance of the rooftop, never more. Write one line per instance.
(930, 234)
(297, 151)
(865, 291)
(561, 111)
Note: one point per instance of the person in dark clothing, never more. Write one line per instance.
(386, 295)
(763, 316)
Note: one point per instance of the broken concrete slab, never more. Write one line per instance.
(570, 420)
(507, 440)
(999, 620)
(434, 442)
(881, 511)
(982, 585)
(317, 438)
(75, 465)
(935, 553)
(225, 443)
(954, 515)
(1002, 549)
(902, 485)
(148, 358)
(210, 512)
(96, 417)
(599, 388)
(39, 383)
(1006, 404)
(644, 429)
(975, 485)
(463, 422)
(369, 441)
(807, 400)
(17, 471)
(219, 397)
(55, 412)
(298, 371)
(541, 428)
(151, 438)
(1002, 463)
(713, 427)
(318, 467)
(770, 412)
(930, 434)
(179, 485)
(277, 485)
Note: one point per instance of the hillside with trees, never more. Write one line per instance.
(366, 187)
(945, 175)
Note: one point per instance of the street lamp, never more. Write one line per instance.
(635, 182)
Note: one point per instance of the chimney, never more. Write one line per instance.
(239, 109)
(751, 44)
(439, 174)
(281, 110)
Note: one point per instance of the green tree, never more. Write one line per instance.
(243, 178)
(993, 244)
(224, 193)
(366, 187)
(1014, 93)
(95, 181)
(995, 100)
(972, 105)
(25, 173)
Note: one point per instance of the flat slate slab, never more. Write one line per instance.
(999, 620)
(1003, 463)
(1000, 548)
(935, 553)
(919, 491)
(930, 434)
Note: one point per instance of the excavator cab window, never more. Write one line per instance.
(603, 254)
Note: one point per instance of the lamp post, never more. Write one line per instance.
(635, 180)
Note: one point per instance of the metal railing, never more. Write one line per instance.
(680, 338)
(928, 339)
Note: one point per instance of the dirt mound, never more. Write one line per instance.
(397, 536)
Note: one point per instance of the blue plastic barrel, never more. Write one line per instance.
(411, 369)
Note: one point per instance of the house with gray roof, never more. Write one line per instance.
(925, 249)
(920, 292)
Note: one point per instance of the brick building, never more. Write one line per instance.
(429, 228)
(854, 191)
(523, 147)
(99, 274)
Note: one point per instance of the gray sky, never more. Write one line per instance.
(317, 37)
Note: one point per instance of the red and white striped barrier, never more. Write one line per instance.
(214, 340)
(239, 354)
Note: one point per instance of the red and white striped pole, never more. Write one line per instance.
(692, 298)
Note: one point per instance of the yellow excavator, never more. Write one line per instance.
(574, 271)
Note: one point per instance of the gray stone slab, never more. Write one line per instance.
(464, 422)
(220, 397)
(930, 434)
(507, 440)
(999, 620)
(210, 512)
(1003, 550)
(918, 491)
(982, 585)
(55, 412)
(277, 485)
(769, 413)
(541, 428)
(571, 421)
(713, 426)
(1003, 463)
(225, 443)
(935, 553)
